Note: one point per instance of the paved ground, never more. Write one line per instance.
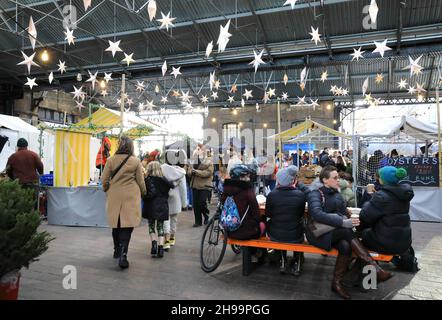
(179, 276)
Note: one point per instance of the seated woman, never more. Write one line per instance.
(385, 220)
(345, 187)
(285, 207)
(326, 206)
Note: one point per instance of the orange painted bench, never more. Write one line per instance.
(266, 243)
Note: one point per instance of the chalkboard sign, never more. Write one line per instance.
(422, 172)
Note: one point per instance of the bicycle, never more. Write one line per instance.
(214, 236)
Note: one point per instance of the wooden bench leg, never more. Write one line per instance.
(246, 261)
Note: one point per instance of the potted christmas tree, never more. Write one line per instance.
(20, 243)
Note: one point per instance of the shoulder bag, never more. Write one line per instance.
(317, 228)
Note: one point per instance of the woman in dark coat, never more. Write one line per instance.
(285, 207)
(385, 220)
(156, 207)
(326, 206)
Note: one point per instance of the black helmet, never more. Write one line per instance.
(239, 170)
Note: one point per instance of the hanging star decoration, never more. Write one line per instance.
(379, 78)
(224, 37)
(129, 102)
(301, 101)
(303, 75)
(271, 92)
(141, 106)
(176, 71)
(175, 93)
(118, 101)
(373, 11)
(368, 98)
(28, 61)
(291, 2)
(80, 106)
(164, 99)
(166, 21)
(69, 36)
(217, 84)
(333, 89)
(209, 49)
(302, 86)
(365, 87)
(257, 60)
(114, 47)
(258, 109)
(127, 110)
(164, 68)
(285, 79)
(248, 94)
(31, 83)
(215, 95)
(128, 59)
(315, 35)
(204, 99)
(419, 88)
(231, 99)
(32, 32)
(87, 4)
(324, 76)
(414, 66)
(185, 96)
(357, 54)
(51, 77)
(92, 79)
(108, 77)
(211, 80)
(381, 47)
(61, 66)
(265, 98)
(285, 96)
(152, 9)
(104, 93)
(151, 105)
(78, 93)
(377, 101)
(314, 103)
(140, 86)
(402, 84)
(234, 88)
(344, 92)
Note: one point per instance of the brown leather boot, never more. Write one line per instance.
(364, 255)
(341, 267)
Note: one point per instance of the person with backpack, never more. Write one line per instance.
(156, 206)
(285, 207)
(329, 226)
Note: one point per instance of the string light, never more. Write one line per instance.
(103, 84)
(235, 112)
(213, 120)
(265, 125)
(329, 107)
(45, 56)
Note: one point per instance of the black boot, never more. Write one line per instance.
(160, 251)
(116, 244)
(123, 263)
(154, 249)
(117, 252)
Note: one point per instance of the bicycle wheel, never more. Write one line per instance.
(213, 246)
(236, 248)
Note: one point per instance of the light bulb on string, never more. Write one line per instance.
(45, 56)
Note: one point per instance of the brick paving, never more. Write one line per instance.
(179, 276)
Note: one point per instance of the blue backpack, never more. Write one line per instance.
(230, 218)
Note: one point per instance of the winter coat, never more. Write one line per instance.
(326, 161)
(347, 193)
(156, 206)
(285, 207)
(332, 212)
(178, 194)
(124, 191)
(385, 220)
(24, 165)
(244, 196)
(201, 179)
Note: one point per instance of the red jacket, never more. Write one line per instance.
(24, 165)
(102, 155)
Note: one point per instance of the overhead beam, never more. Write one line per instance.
(400, 26)
(261, 30)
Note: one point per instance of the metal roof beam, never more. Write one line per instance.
(261, 30)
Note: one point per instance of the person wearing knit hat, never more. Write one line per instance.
(22, 143)
(287, 176)
(391, 175)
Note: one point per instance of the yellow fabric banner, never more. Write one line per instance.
(71, 159)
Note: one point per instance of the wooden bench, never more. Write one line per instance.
(266, 243)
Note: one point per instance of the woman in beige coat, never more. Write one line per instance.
(124, 189)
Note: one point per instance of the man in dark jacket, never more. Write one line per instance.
(385, 220)
(24, 164)
(285, 207)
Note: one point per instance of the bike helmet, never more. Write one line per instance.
(239, 170)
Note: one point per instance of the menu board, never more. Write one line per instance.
(422, 171)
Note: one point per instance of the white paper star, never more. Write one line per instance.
(128, 58)
(92, 78)
(419, 88)
(344, 92)
(324, 76)
(258, 109)
(204, 99)
(61, 66)
(411, 90)
(285, 96)
(301, 101)
(211, 80)
(357, 54)
(152, 9)
(231, 99)
(31, 83)
(104, 93)
(28, 61)
(69, 36)
(379, 78)
(118, 101)
(108, 77)
(114, 47)
(209, 49)
(176, 71)
(333, 89)
(314, 103)
(127, 110)
(373, 11)
(150, 104)
(51, 77)
(164, 99)
(32, 33)
(257, 60)
(87, 4)
(78, 93)
(215, 95)
(80, 106)
(402, 84)
(381, 47)
(265, 98)
(315, 35)
(129, 102)
(166, 21)
(271, 92)
(223, 37)
(140, 86)
(303, 75)
(285, 79)
(291, 2)
(248, 94)
(164, 68)
(185, 96)
(414, 66)
(141, 106)
(365, 87)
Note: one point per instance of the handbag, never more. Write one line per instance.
(317, 228)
